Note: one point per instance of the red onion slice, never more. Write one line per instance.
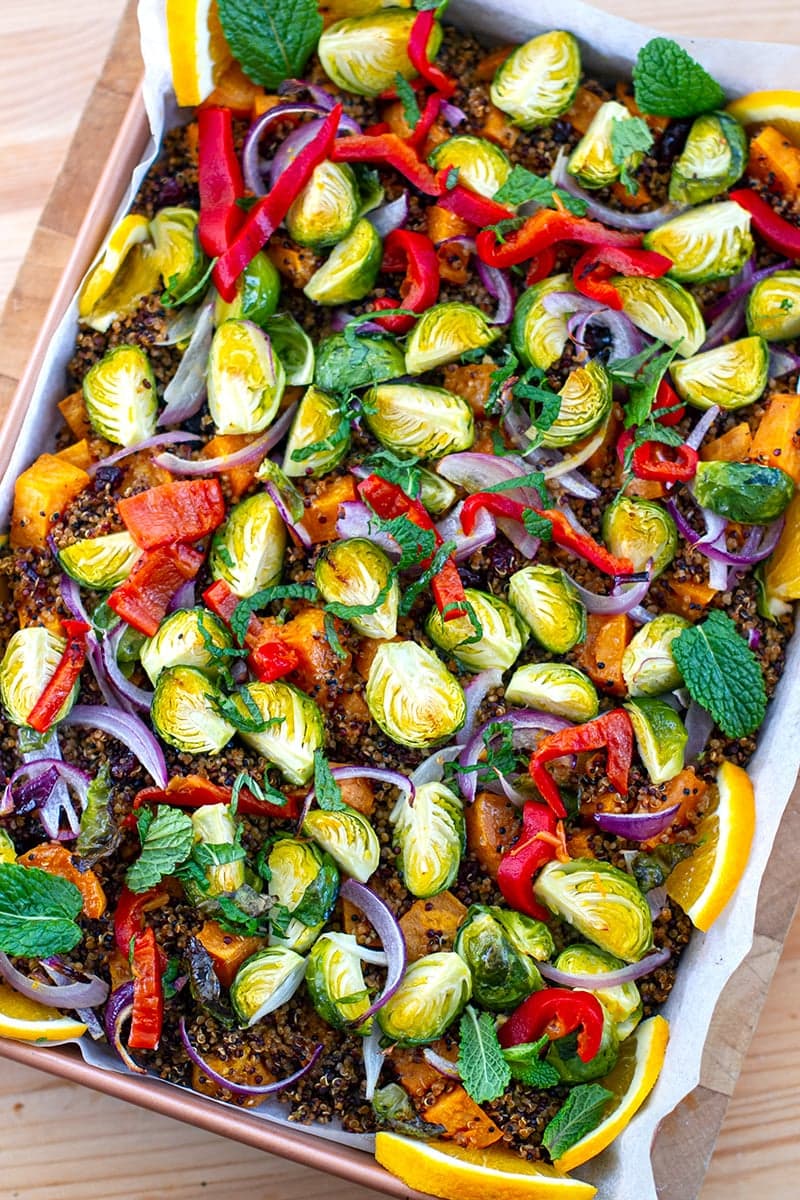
(782, 362)
(517, 534)
(431, 769)
(241, 1089)
(379, 774)
(299, 531)
(444, 1066)
(695, 438)
(374, 1059)
(319, 95)
(388, 930)
(128, 729)
(454, 115)
(636, 222)
(476, 472)
(577, 485)
(291, 146)
(605, 979)
(132, 695)
(71, 595)
(43, 792)
(356, 521)
(186, 391)
(498, 285)
(523, 721)
(623, 598)
(172, 438)
(742, 284)
(699, 724)
(561, 303)
(251, 164)
(390, 216)
(86, 993)
(254, 452)
(727, 326)
(61, 972)
(184, 597)
(637, 827)
(118, 1011)
(626, 339)
(483, 534)
(476, 692)
(656, 899)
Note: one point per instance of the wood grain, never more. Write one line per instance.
(96, 1147)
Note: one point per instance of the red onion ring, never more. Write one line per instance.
(319, 95)
(747, 279)
(431, 769)
(476, 692)
(379, 774)
(454, 115)
(118, 1011)
(636, 827)
(656, 899)
(61, 973)
(476, 472)
(388, 930)
(696, 435)
(374, 1059)
(87, 993)
(782, 361)
(211, 466)
(636, 222)
(522, 720)
(128, 729)
(341, 317)
(240, 1089)
(251, 165)
(299, 531)
(135, 696)
(760, 542)
(158, 439)
(699, 724)
(441, 1064)
(71, 595)
(356, 521)
(626, 338)
(605, 979)
(727, 326)
(388, 217)
(498, 285)
(623, 598)
(524, 542)
(483, 534)
(184, 597)
(186, 391)
(42, 793)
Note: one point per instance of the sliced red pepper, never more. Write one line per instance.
(147, 1017)
(392, 151)
(545, 229)
(556, 1012)
(63, 679)
(519, 864)
(415, 254)
(182, 511)
(377, 130)
(129, 914)
(270, 658)
(665, 464)
(612, 732)
(143, 598)
(540, 266)
(219, 181)
(423, 126)
(779, 234)
(595, 267)
(668, 408)
(195, 791)
(223, 602)
(418, 54)
(469, 205)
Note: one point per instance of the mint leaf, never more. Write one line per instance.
(581, 1112)
(484, 1071)
(408, 97)
(405, 472)
(415, 544)
(332, 637)
(526, 1065)
(537, 525)
(245, 608)
(630, 139)
(259, 791)
(434, 567)
(522, 187)
(669, 83)
(533, 479)
(37, 912)
(722, 674)
(327, 792)
(168, 842)
(272, 39)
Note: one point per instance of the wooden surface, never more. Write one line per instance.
(64, 1143)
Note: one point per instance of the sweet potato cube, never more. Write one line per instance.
(228, 950)
(431, 925)
(40, 494)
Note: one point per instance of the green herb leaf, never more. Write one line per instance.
(669, 83)
(451, 178)
(347, 612)
(99, 834)
(408, 97)
(259, 791)
(484, 1071)
(272, 39)
(509, 225)
(244, 911)
(404, 472)
(642, 375)
(722, 674)
(533, 479)
(332, 637)
(526, 1064)
(437, 562)
(415, 544)
(630, 137)
(581, 1112)
(537, 525)
(522, 187)
(327, 792)
(174, 296)
(37, 912)
(167, 842)
(245, 608)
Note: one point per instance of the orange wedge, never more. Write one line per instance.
(780, 108)
(197, 49)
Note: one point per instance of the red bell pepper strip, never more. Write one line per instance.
(418, 54)
(665, 464)
(183, 511)
(541, 266)
(63, 679)
(392, 151)
(595, 267)
(415, 254)
(545, 229)
(378, 129)
(471, 206)
(143, 598)
(147, 1017)
(219, 181)
(519, 864)
(668, 408)
(129, 914)
(423, 126)
(223, 602)
(266, 215)
(195, 791)
(556, 1012)
(612, 732)
(270, 658)
(779, 234)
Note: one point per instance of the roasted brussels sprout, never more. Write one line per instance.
(431, 995)
(319, 438)
(547, 601)
(335, 981)
(745, 492)
(732, 376)
(773, 307)
(601, 902)
(214, 828)
(349, 839)
(436, 494)
(444, 333)
(648, 667)
(586, 400)
(351, 269)
(710, 242)
(365, 54)
(623, 1002)
(660, 737)
(555, 688)
(185, 712)
(100, 563)
(283, 488)
(592, 162)
(563, 1055)
(245, 379)
(338, 368)
(394, 1110)
(247, 550)
(120, 396)
(296, 730)
(186, 638)
(326, 209)
(641, 530)
(413, 697)
(714, 157)
(411, 418)
(258, 289)
(265, 981)
(664, 309)
(177, 253)
(293, 347)
(358, 573)
(28, 665)
(492, 636)
(304, 880)
(482, 166)
(539, 80)
(539, 336)
(502, 966)
(431, 836)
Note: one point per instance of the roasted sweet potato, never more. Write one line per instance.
(295, 263)
(453, 259)
(240, 479)
(319, 670)
(415, 1073)
(489, 65)
(775, 162)
(601, 655)
(498, 128)
(78, 454)
(688, 598)
(73, 410)
(492, 825)
(234, 91)
(733, 446)
(140, 472)
(581, 112)
(40, 494)
(776, 442)
(245, 1067)
(55, 859)
(228, 950)
(638, 199)
(472, 382)
(464, 1121)
(688, 790)
(431, 925)
(441, 224)
(646, 489)
(264, 103)
(319, 520)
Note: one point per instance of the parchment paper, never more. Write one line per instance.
(609, 45)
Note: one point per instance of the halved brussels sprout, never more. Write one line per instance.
(431, 995)
(710, 242)
(732, 376)
(349, 839)
(555, 688)
(773, 307)
(431, 836)
(539, 80)
(436, 494)
(413, 697)
(601, 902)
(592, 161)
(660, 737)
(101, 562)
(178, 255)
(248, 548)
(356, 572)
(351, 269)
(28, 665)
(482, 166)
(186, 638)
(335, 981)
(664, 309)
(265, 981)
(258, 289)
(326, 209)
(305, 880)
(493, 636)
(444, 333)
(185, 712)
(214, 828)
(623, 1002)
(641, 530)
(365, 54)
(293, 347)
(319, 438)
(245, 379)
(411, 418)
(714, 157)
(648, 667)
(539, 336)
(298, 729)
(586, 400)
(120, 395)
(745, 492)
(339, 369)
(547, 601)
(502, 966)
(563, 1055)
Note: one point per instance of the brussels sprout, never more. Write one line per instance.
(539, 336)
(304, 880)
(339, 369)
(563, 1055)
(586, 400)
(28, 665)
(365, 54)
(529, 936)
(555, 688)
(394, 1110)
(592, 161)
(413, 697)
(350, 271)
(444, 333)
(356, 572)
(436, 494)
(214, 827)
(178, 255)
(482, 166)
(326, 209)
(601, 902)
(247, 550)
(745, 492)
(245, 379)
(710, 242)
(185, 712)
(414, 419)
(773, 307)
(641, 530)
(257, 291)
(648, 667)
(732, 376)
(431, 995)
(431, 836)
(349, 839)
(493, 636)
(296, 732)
(287, 493)
(100, 562)
(663, 309)
(8, 851)
(319, 438)
(660, 737)
(293, 347)
(547, 601)
(335, 981)
(120, 396)
(623, 1002)
(265, 981)
(539, 80)
(503, 974)
(714, 157)
(186, 638)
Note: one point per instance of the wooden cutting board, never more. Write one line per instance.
(95, 1147)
